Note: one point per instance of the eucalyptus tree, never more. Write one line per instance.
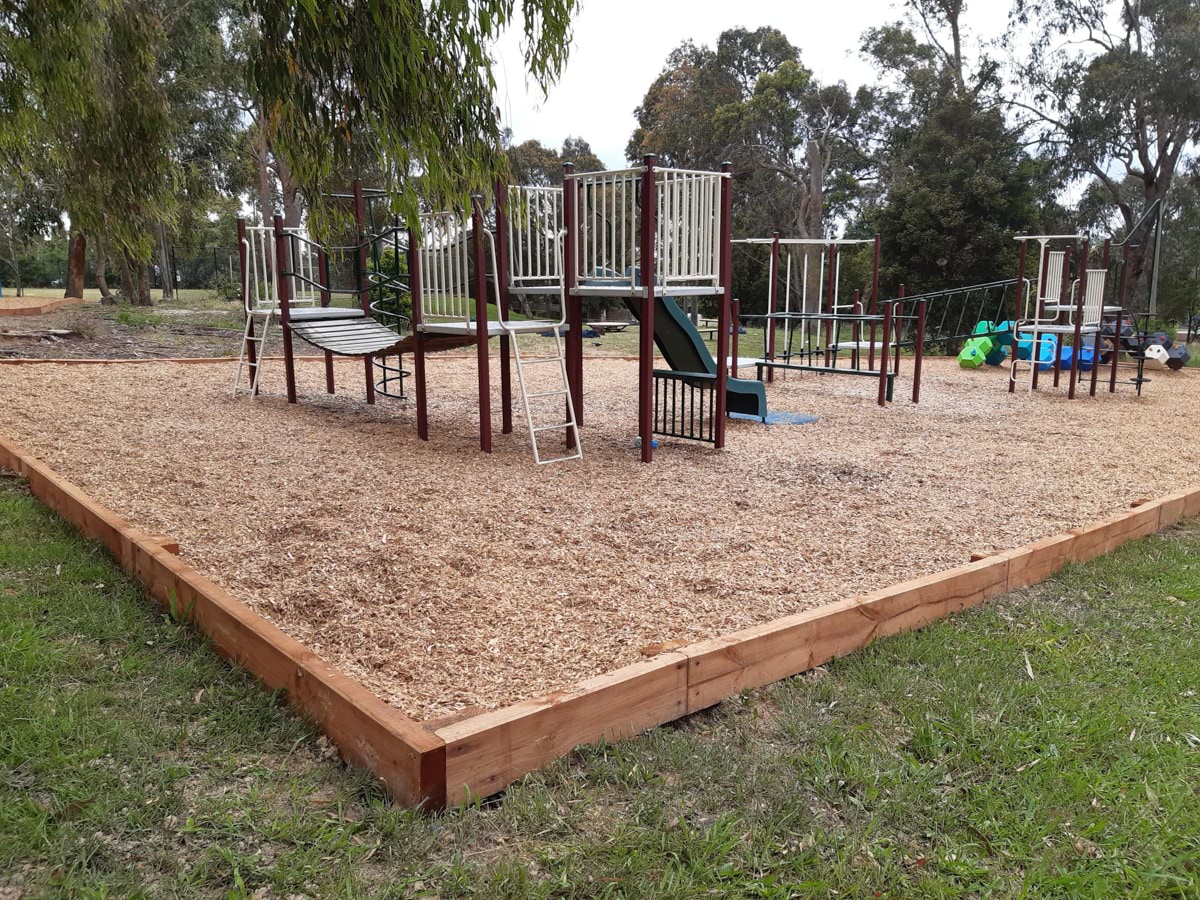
(1110, 89)
(410, 81)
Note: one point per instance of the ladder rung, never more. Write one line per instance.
(548, 394)
(560, 458)
(559, 425)
(540, 359)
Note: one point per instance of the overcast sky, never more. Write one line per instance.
(620, 47)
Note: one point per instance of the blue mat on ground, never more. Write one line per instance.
(778, 418)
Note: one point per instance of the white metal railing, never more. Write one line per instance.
(260, 284)
(534, 226)
(689, 227)
(609, 226)
(444, 259)
(687, 238)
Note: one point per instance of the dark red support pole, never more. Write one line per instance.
(323, 275)
(884, 354)
(414, 275)
(504, 304)
(646, 327)
(724, 321)
(772, 304)
(282, 266)
(247, 302)
(919, 350)
(572, 304)
(1016, 317)
(1075, 338)
(1120, 323)
(364, 293)
(481, 327)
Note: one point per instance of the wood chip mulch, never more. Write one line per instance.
(445, 579)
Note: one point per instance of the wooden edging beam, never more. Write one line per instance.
(41, 309)
(478, 756)
(410, 760)
(491, 750)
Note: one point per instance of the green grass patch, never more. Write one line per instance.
(1046, 744)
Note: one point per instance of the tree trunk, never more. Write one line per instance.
(266, 200)
(16, 264)
(143, 286)
(291, 192)
(106, 296)
(76, 263)
(164, 264)
(127, 288)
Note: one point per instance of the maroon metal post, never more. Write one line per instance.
(646, 327)
(504, 304)
(724, 322)
(772, 304)
(883, 357)
(919, 350)
(1012, 363)
(283, 265)
(572, 303)
(364, 292)
(1104, 259)
(323, 275)
(481, 327)
(1076, 337)
(1120, 323)
(414, 282)
(247, 305)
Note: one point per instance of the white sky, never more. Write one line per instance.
(621, 45)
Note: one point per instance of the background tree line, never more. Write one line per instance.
(950, 153)
(147, 124)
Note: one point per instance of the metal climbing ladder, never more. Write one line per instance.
(558, 388)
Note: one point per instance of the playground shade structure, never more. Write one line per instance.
(447, 594)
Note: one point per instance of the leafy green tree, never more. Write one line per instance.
(1108, 88)
(968, 188)
(533, 164)
(412, 80)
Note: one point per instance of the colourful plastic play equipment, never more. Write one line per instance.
(989, 346)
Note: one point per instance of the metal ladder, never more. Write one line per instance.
(534, 430)
(244, 355)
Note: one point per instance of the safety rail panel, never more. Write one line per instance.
(444, 257)
(534, 228)
(685, 405)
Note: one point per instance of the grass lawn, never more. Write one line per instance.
(1045, 744)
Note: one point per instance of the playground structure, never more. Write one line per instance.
(1094, 299)
(818, 309)
(645, 235)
